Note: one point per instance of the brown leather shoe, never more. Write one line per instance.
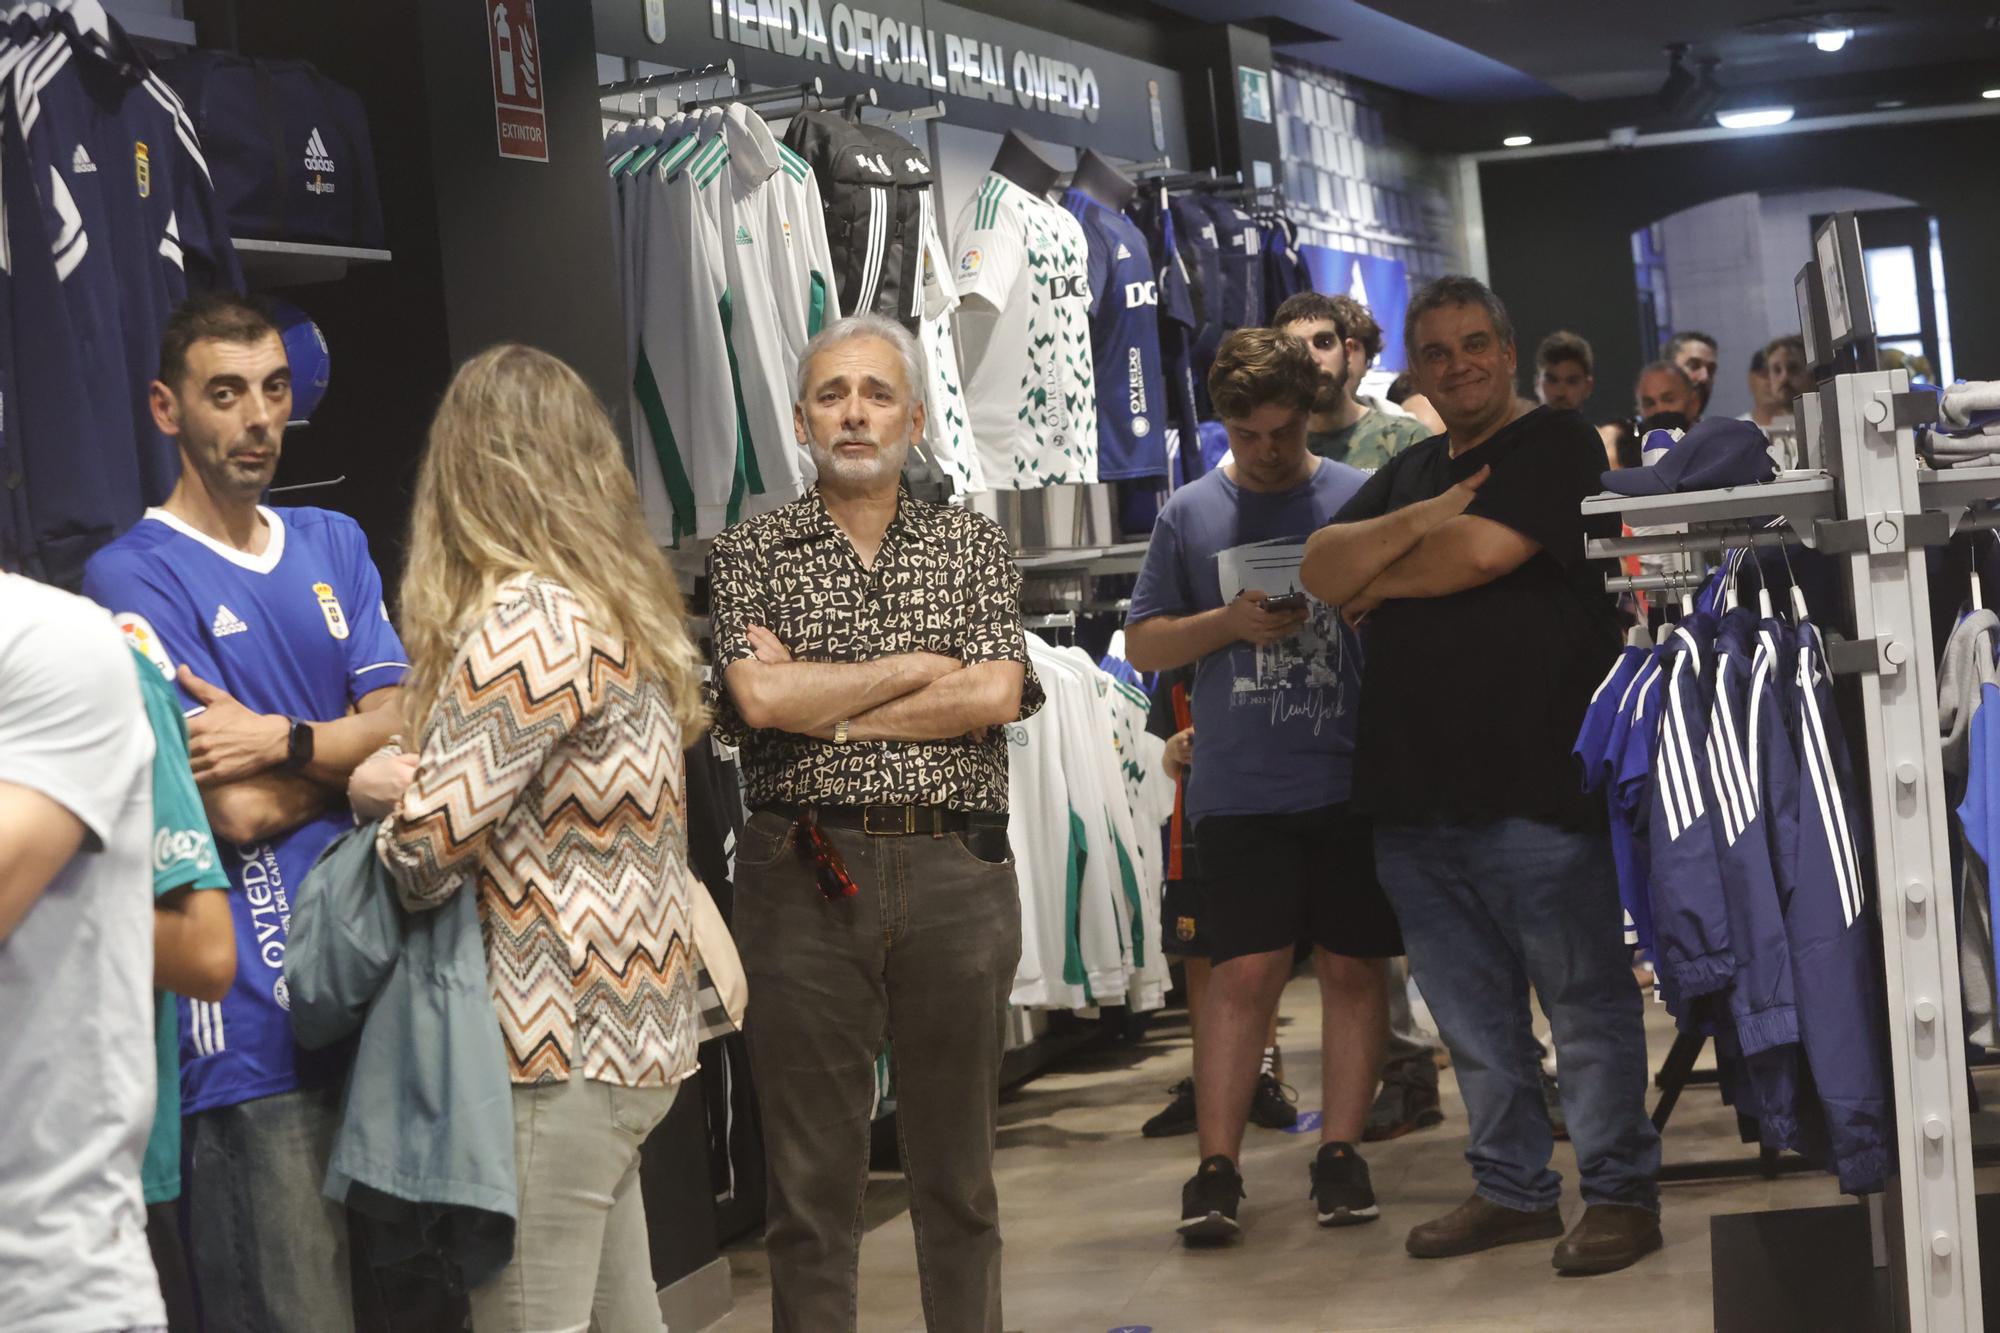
(1478, 1224)
(1608, 1237)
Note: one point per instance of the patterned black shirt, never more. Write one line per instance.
(943, 582)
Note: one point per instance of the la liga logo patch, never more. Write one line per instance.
(969, 262)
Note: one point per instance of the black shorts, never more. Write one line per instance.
(1271, 882)
(1180, 920)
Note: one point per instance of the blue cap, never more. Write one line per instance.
(1715, 453)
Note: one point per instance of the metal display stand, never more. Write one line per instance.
(1877, 510)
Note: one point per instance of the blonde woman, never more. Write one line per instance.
(553, 687)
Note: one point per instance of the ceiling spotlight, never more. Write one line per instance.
(1891, 104)
(1991, 94)
(1754, 118)
(1830, 40)
(1516, 141)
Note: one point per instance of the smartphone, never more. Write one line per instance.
(1285, 603)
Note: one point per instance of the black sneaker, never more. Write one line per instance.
(1178, 1118)
(1271, 1105)
(1208, 1202)
(1402, 1108)
(1340, 1187)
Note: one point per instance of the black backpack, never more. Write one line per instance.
(876, 189)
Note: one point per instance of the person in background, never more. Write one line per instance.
(1498, 864)
(869, 650)
(194, 954)
(553, 687)
(1665, 396)
(1621, 444)
(1763, 407)
(76, 969)
(1402, 392)
(272, 623)
(1695, 353)
(1564, 371)
(1283, 858)
(1785, 378)
(1345, 339)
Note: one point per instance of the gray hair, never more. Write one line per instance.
(1664, 368)
(850, 327)
(1450, 291)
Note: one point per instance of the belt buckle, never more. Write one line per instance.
(902, 827)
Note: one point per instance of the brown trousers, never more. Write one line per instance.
(924, 956)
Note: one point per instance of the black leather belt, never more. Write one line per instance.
(882, 821)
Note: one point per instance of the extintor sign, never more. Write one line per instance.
(520, 121)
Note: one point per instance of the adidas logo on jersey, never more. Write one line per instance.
(80, 163)
(226, 623)
(316, 154)
(1123, 251)
(742, 234)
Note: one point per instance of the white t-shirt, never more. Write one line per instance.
(76, 979)
(1023, 272)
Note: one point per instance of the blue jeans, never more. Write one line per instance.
(1488, 910)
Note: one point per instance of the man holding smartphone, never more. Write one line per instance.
(1276, 697)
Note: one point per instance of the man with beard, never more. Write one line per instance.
(1342, 427)
(869, 652)
(271, 623)
(1695, 353)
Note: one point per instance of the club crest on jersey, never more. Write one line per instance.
(329, 606)
(142, 637)
(142, 168)
(969, 262)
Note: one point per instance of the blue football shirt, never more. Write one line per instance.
(300, 630)
(1125, 343)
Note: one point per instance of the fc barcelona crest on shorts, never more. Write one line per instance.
(1184, 928)
(329, 606)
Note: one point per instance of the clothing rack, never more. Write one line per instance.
(913, 115)
(766, 97)
(1878, 511)
(671, 79)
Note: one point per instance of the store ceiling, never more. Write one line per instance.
(1573, 69)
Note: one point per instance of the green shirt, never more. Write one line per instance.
(184, 857)
(1370, 442)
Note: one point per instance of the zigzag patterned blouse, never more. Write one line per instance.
(551, 779)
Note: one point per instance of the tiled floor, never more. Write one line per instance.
(1089, 1207)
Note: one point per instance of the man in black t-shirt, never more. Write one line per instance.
(1485, 631)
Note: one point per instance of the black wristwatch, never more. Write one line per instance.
(298, 746)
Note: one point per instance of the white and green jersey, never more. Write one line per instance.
(692, 447)
(765, 208)
(1023, 271)
(947, 413)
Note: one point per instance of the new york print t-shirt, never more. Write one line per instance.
(1274, 726)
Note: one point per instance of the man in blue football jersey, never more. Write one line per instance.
(272, 623)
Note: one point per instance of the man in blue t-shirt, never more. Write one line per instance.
(272, 624)
(1276, 697)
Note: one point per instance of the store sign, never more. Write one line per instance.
(1253, 93)
(894, 49)
(520, 120)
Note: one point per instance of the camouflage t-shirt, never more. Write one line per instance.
(1369, 442)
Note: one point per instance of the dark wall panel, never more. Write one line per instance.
(1558, 230)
